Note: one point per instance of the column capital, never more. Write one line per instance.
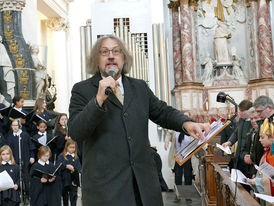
(173, 4)
(57, 24)
(13, 5)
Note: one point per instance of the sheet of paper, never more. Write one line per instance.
(225, 149)
(238, 176)
(215, 126)
(267, 198)
(5, 181)
(266, 169)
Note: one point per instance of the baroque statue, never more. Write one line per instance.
(8, 72)
(41, 76)
(220, 44)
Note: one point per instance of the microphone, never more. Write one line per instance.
(111, 72)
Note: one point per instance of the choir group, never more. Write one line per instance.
(37, 153)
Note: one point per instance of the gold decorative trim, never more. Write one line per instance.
(24, 77)
(25, 94)
(14, 48)
(20, 62)
(7, 17)
(8, 33)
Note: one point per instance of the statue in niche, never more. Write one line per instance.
(8, 72)
(208, 64)
(41, 76)
(220, 44)
(237, 71)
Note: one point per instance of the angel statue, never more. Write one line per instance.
(41, 76)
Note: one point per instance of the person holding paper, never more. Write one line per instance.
(44, 192)
(70, 169)
(264, 106)
(109, 113)
(239, 135)
(250, 139)
(27, 157)
(43, 138)
(11, 196)
(262, 183)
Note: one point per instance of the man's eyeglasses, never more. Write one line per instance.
(260, 110)
(115, 52)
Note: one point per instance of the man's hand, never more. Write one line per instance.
(1, 117)
(228, 143)
(103, 84)
(195, 130)
(251, 181)
(247, 159)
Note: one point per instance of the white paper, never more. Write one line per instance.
(215, 126)
(5, 181)
(225, 149)
(266, 169)
(238, 176)
(267, 198)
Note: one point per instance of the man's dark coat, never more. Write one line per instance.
(116, 144)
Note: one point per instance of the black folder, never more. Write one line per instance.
(34, 118)
(5, 111)
(12, 113)
(49, 143)
(42, 174)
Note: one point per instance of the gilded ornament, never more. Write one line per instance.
(13, 47)
(25, 94)
(8, 33)
(20, 62)
(7, 17)
(24, 77)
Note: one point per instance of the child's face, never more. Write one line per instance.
(20, 103)
(15, 126)
(266, 140)
(5, 156)
(44, 105)
(45, 157)
(42, 127)
(63, 120)
(71, 148)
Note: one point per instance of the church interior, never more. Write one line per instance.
(187, 51)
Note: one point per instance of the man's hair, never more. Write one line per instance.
(93, 57)
(245, 105)
(251, 110)
(263, 101)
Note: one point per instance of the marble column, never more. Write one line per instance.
(193, 5)
(186, 41)
(176, 40)
(252, 34)
(265, 40)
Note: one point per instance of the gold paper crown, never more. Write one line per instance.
(267, 127)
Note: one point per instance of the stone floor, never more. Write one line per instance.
(168, 198)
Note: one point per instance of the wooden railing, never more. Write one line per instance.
(216, 187)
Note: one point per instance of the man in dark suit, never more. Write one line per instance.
(118, 168)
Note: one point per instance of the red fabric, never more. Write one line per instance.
(270, 159)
